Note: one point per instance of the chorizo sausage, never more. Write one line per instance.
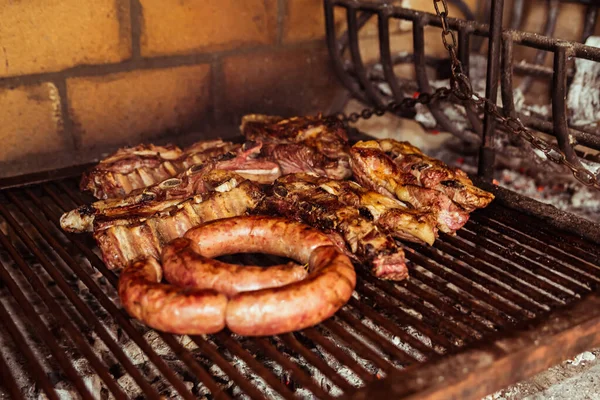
(167, 307)
(267, 311)
(184, 267)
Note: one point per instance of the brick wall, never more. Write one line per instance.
(80, 77)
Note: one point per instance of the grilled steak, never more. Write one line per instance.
(416, 168)
(137, 167)
(298, 198)
(301, 144)
(375, 170)
(128, 237)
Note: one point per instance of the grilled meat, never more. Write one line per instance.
(296, 197)
(390, 215)
(301, 144)
(419, 169)
(197, 180)
(137, 167)
(129, 237)
(375, 170)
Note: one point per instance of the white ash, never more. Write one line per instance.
(583, 358)
(583, 100)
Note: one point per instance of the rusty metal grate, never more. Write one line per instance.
(62, 321)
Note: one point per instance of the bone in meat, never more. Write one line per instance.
(301, 144)
(306, 202)
(128, 238)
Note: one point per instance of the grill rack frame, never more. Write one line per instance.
(525, 344)
(356, 75)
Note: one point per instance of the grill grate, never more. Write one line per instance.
(65, 330)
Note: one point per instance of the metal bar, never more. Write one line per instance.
(591, 16)
(385, 303)
(66, 324)
(358, 66)
(386, 55)
(36, 369)
(466, 285)
(498, 319)
(123, 320)
(506, 88)
(428, 314)
(331, 348)
(296, 373)
(8, 380)
(208, 350)
(551, 19)
(376, 338)
(519, 254)
(510, 295)
(487, 155)
(532, 348)
(463, 56)
(494, 259)
(476, 326)
(43, 332)
(517, 14)
(356, 345)
(559, 105)
(392, 327)
(425, 87)
(529, 225)
(290, 340)
(110, 307)
(335, 54)
(235, 348)
(81, 307)
(515, 285)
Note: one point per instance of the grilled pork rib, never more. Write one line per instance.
(137, 167)
(129, 237)
(197, 180)
(301, 144)
(296, 197)
(375, 170)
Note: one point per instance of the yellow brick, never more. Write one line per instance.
(50, 35)
(193, 25)
(31, 121)
(137, 106)
(305, 20)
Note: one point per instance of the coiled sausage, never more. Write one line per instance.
(266, 311)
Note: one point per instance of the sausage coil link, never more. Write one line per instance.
(206, 295)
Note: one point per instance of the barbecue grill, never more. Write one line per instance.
(514, 292)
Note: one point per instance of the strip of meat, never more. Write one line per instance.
(419, 169)
(261, 312)
(128, 238)
(391, 215)
(167, 307)
(297, 199)
(301, 144)
(186, 268)
(133, 168)
(375, 170)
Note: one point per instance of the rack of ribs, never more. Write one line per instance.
(140, 166)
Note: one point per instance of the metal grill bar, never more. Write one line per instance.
(491, 277)
(8, 380)
(36, 369)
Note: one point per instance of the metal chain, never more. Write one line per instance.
(462, 89)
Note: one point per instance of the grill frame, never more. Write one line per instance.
(514, 353)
